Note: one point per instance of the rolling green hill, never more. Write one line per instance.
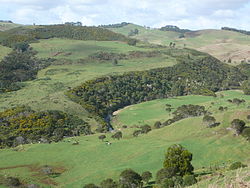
(47, 91)
(92, 160)
(79, 59)
(220, 43)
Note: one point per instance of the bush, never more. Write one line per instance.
(237, 165)
(167, 183)
(102, 137)
(246, 133)
(109, 183)
(157, 125)
(117, 135)
(145, 129)
(12, 181)
(146, 176)
(238, 125)
(248, 117)
(91, 185)
(189, 180)
(136, 133)
(130, 179)
(165, 173)
(208, 120)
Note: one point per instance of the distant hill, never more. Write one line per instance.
(7, 25)
(33, 33)
(223, 44)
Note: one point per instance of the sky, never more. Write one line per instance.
(188, 14)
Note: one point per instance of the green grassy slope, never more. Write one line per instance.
(47, 91)
(6, 26)
(219, 43)
(152, 111)
(77, 49)
(92, 160)
(4, 51)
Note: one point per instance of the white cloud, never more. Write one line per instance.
(194, 14)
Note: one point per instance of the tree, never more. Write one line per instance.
(238, 125)
(209, 121)
(102, 137)
(21, 46)
(132, 42)
(146, 176)
(115, 62)
(246, 87)
(246, 133)
(117, 135)
(136, 133)
(130, 179)
(109, 183)
(157, 124)
(145, 129)
(179, 159)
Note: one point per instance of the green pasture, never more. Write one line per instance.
(78, 49)
(92, 160)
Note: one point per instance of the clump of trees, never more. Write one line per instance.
(133, 32)
(19, 66)
(22, 34)
(177, 171)
(144, 129)
(22, 125)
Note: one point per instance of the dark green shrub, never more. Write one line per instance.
(237, 165)
(167, 183)
(238, 125)
(189, 180)
(129, 178)
(246, 133)
(91, 185)
(12, 181)
(146, 176)
(109, 183)
(157, 125)
(165, 173)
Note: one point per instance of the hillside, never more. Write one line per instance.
(94, 161)
(75, 82)
(4, 26)
(220, 43)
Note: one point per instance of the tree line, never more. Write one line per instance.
(23, 34)
(22, 125)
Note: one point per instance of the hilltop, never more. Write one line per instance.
(222, 44)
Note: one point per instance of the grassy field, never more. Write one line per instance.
(219, 43)
(92, 160)
(47, 91)
(152, 111)
(77, 49)
(4, 51)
